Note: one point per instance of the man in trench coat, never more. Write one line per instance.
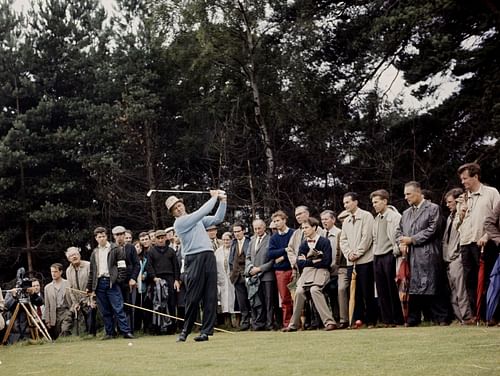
(419, 239)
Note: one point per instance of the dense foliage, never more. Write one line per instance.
(275, 101)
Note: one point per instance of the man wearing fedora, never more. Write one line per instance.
(212, 234)
(199, 262)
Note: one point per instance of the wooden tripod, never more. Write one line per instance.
(36, 325)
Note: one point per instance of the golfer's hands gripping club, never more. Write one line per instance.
(220, 194)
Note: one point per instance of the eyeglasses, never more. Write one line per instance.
(237, 231)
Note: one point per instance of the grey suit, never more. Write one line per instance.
(257, 256)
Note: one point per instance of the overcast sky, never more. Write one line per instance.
(25, 4)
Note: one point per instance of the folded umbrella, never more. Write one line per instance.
(292, 285)
(480, 286)
(352, 295)
(403, 283)
(493, 294)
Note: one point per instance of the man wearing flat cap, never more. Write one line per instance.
(200, 265)
(163, 270)
(129, 285)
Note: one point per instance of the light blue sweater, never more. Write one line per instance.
(191, 227)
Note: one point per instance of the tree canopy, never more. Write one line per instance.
(279, 103)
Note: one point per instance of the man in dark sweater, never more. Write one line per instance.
(277, 252)
(163, 269)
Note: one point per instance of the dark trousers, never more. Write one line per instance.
(331, 293)
(129, 297)
(384, 267)
(435, 304)
(264, 315)
(171, 304)
(110, 303)
(87, 317)
(143, 319)
(201, 287)
(471, 256)
(365, 308)
(241, 292)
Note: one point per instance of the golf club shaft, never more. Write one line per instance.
(172, 317)
(149, 310)
(151, 191)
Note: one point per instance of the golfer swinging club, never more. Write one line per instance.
(199, 260)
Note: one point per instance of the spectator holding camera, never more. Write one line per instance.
(20, 330)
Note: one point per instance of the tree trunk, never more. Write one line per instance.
(270, 192)
(150, 171)
(250, 183)
(27, 226)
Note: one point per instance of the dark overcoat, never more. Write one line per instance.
(422, 226)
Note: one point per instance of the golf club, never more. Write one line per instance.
(150, 192)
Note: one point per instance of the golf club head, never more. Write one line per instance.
(150, 192)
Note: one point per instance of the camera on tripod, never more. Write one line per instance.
(23, 286)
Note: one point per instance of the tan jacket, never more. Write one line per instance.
(49, 315)
(357, 236)
(492, 225)
(480, 205)
(83, 278)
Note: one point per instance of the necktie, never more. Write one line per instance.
(448, 230)
(77, 282)
(327, 234)
(259, 239)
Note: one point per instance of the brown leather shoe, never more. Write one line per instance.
(469, 322)
(329, 327)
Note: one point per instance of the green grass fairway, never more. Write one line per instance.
(399, 351)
